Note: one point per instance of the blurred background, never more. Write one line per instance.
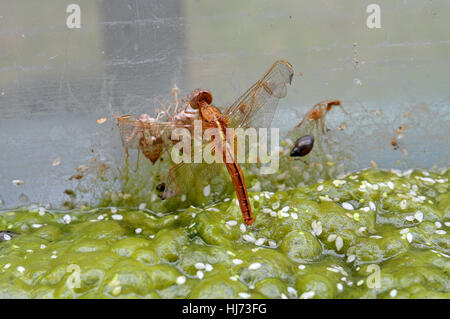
(56, 81)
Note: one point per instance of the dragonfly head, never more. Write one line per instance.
(199, 97)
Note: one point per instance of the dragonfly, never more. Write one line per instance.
(255, 108)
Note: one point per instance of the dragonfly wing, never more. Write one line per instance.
(132, 131)
(257, 106)
(184, 177)
(129, 131)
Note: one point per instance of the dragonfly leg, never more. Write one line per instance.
(137, 162)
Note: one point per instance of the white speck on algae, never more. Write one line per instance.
(181, 280)
(244, 295)
(254, 266)
(207, 190)
(347, 206)
(237, 261)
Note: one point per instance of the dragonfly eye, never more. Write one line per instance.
(199, 96)
(303, 146)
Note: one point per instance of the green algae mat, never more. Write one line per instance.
(370, 234)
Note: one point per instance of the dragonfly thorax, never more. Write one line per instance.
(210, 113)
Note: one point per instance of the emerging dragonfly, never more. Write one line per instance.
(255, 108)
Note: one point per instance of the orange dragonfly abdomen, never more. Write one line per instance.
(237, 177)
(241, 191)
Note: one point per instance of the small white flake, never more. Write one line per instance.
(404, 231)
(36, 225)
(390, 185)
(181, 280)
(351, 258)
(276, 205)
(207, 190)
(17, 182)
(183, 198)
(409, 237)
(440, 232)
(359, 283)
(6, 237)
(260, 241)
(53, 256)
(338, 182)
(403, 204)
(283, 214)
(339, 243)
(41, 211)
(7, 266)
(101, 217)
(113, 210)
(301, 267)
(333, 269)
(438, 224)
(317, 227)
(138, 230)
(208, 267)
(272, 243)
(294, 215)
(244, 295)
(20, 269)
(340, 287)
(142, 207)
(249, 238)
(418, 216)
(199, 266)
(42, 246)
(331, 238)
(283, 296)
(292, 291)
(393, 293)
(242, 228)
(254, 266)
(372, 206)
(67, 219)
(200, 274)
(307, 295)
(117, 217)
(237, 261)
(231, 223)
(233, 278)
(320, 188)
(347, 206)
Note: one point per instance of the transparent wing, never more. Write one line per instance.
(187, 177)
(257, 106)
(132, 130)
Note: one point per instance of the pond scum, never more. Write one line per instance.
(319, 233)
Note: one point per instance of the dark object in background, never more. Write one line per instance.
(303, 146)
(161, 187)
(6, 235)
